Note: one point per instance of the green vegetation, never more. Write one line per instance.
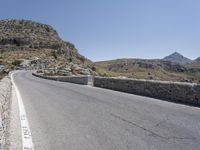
(82, 59)
(92, 66)
(16, 62)
(54, 54)
(73, 69)
(2, 75)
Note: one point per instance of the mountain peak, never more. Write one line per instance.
(177, 58)
(176, 53)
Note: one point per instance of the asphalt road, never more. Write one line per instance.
(65, 116)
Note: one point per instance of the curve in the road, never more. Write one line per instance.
(69, 116)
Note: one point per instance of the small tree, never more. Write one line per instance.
(16, 62)
(82, 58)
(94, 68)
(54, 54)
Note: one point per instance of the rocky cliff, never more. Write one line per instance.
(27, 44)
(23, 34)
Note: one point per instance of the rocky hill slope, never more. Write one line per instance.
(194, 65)
(197, 60)
(23, 41)
(156, 69)
(23, 34)
(177, 58)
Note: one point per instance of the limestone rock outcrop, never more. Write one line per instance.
(24, 34)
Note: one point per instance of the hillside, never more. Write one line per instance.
(31, 45)
(147, 69)
(23, 41)
(197, 60)
(194, 65)
(177, 58)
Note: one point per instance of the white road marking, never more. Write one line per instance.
(25, 130)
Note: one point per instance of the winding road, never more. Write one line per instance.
(66, 116)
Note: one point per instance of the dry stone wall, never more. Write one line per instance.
(173, 91)
(84, 80)
(188, 93)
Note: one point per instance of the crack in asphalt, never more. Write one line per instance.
(4, 96)
(161, 122)
(152, 133)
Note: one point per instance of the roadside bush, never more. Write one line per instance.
(54, 54)
(73, 69)
(92, 66)
(82, 58)
(16, 62)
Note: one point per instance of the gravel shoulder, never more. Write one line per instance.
(5, 102)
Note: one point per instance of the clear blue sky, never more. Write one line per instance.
(109, 29)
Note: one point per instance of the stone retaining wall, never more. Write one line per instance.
(173, 91)
(84, 80)
(5, 99)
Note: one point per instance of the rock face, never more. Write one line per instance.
(64, 70)
(25, 34)
(177, 58)
(30, 45)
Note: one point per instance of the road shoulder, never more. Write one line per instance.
(15, 130)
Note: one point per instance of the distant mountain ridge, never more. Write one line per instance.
(197, 60)
(174, 67)
(194, 65)
(177, 58)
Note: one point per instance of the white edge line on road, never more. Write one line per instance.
(25, 130)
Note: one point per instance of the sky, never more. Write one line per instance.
(111, 29)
